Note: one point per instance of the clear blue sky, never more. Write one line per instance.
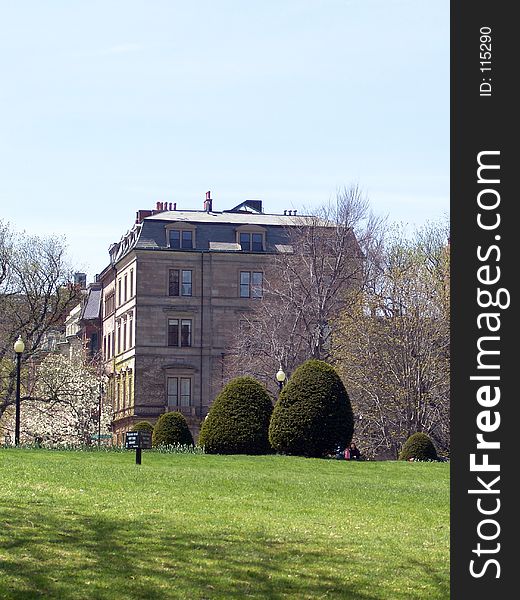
(107, 107)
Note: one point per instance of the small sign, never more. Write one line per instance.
(138, 440)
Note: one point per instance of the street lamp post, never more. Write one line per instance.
(99, 414)
(19, 347)
(280, 377)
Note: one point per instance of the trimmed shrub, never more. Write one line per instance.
(419, 447)
(313, 415)
(172, 429)
(238, 420)
(142, 426)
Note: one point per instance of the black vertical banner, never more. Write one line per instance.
(485, 434)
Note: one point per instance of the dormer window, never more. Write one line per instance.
(180, 236)
(181, 239)
(251, 238)
(251, 242)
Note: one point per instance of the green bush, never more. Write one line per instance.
(313, 415)
(142, 426)
(172, 429)
(238, 420)
(419, 447)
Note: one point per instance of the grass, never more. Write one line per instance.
(76, 525)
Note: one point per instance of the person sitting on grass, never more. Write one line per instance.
(352, 452)
(339, 453)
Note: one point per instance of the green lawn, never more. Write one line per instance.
(97, 526)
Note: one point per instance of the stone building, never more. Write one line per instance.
(172, 297)
(82, 327)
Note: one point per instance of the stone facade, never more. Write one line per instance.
(169, 312)
(82, 328)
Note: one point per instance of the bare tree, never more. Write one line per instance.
(36, 292)
(393, 348)
(307, 287)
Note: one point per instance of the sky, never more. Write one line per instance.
(107, 107)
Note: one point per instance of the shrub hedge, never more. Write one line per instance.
(142, 426)
(172, 429)
(419, 447)
(238, 420)
(313, 415)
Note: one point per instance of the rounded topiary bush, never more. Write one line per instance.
(419, 447)
(313, 415)
(142, 426)
(238, 420)
(172, 429)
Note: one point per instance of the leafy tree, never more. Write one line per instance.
(313, 415)
(393, 347)
(238, 420)
(419, 447)
(172, 429)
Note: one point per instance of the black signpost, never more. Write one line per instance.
(138, 440)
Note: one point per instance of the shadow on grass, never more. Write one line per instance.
(71, 556)
(441, 584)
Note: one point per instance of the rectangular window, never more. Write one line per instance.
(179, 282)
(245, 241)
(179, 332)
(187, 239)
(118, 394)
(257, 242)
(256, 284)
(109, 305)
(173, 282)
(109, 345)
(93, 345)
(181, 238)
(186, 332)
(173, 332)
(251, 284)
(105, 346)
(130, 389)
(175, 238)
(185, 391)
(179, 391)
(131, 283)
(245, 279)
(124, 335)
(126, 288)
(119, 290)
(173, 391)
(186, 283)
(131, 332)
(251, 242)
(119, 338)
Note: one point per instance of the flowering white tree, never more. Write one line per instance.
(65, 404)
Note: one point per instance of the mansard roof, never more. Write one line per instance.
(216, 230)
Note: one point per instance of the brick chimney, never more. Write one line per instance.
(142, 214)
(208, 203)
(159, 207)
